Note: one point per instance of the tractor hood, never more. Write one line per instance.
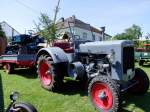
(104, 47)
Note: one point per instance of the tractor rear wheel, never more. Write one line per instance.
(50, 75)
(143, 82)
(104, 94)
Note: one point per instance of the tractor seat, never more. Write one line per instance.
(66, 46)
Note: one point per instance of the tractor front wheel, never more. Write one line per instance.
(104, 94)
(49, 74)
(143, 82)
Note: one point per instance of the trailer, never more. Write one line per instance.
(21, 53)
(10, 62)
(142, 55)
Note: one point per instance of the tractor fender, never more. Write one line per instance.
(57, 54)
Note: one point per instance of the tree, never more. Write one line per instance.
(132, 33)
(46, 28)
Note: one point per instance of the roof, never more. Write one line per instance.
(72, 21)
(9, 30)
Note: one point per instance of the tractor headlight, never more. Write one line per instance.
(14, 96)
(111, 56)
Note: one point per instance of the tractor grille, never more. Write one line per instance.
(128, 59)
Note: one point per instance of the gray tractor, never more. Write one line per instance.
(107, 66)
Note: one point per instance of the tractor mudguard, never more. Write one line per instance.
(57, 54)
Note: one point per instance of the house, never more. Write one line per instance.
(9, 30)
(81, 30)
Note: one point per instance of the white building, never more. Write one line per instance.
(9, 30)
(81, 30)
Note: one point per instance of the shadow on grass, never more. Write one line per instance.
(71, 87)
(130, 102)
(1, 96)
(27, 73)
(146, 65)
(142, 102)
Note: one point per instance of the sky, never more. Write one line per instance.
(115, 15)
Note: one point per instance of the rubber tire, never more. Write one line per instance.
(25, 107)
(84, 82)
(112, 86)
(143, 85)
(57, 76)
(9, 68)
(141, 62)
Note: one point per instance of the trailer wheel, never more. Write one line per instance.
(9, 68)
(143, 82)
(49, 73)
(104, 94)
(141, 62)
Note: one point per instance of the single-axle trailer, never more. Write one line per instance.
(10, 62)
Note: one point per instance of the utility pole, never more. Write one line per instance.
(56, 11)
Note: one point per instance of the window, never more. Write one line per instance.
(84, 35)
(93, 37)
(100, 38)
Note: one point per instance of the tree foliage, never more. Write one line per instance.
(132, 33)
(46, 28)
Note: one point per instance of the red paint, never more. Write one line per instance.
(25, 63)
(19, 63)
(8, 61)
(45, 75)
(146, 44)
(66, 46)
(106, 103)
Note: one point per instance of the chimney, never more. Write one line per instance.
(103, 33)
(73, 16)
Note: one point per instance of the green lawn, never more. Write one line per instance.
(72, 99)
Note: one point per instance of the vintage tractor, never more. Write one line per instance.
(107, 66)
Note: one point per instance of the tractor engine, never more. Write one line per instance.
(90, 66)
(115, 59)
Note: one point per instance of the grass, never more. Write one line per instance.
(71, 99)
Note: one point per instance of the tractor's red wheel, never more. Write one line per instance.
(8, 68)
(103, 94)
(45, 73)
(49, 73)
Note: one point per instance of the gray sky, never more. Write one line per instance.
(116, 15)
